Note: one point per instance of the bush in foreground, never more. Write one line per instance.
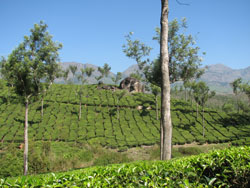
(219, 168)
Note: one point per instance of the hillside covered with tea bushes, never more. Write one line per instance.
(100, 122)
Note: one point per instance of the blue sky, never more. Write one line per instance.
(92, 31)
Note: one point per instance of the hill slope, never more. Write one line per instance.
(100, 122)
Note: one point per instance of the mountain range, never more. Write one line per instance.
(217, 76)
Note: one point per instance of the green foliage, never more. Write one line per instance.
(99, 123)
(219, 168)
(117, 77)
(111, 158)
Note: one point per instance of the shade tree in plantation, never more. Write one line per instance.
(117, 77)
(138, 51)
(73, 69)
(184, 56)
(6, 75)
(79, 91)
(201, 95)
(166, 122)
(236, 85)
(88, 71)
(28, 65)
(246, 89)
(156, 91)
(65, 75)
(105, 70)
(183, 60)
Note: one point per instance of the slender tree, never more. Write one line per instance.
(105, 70)
(156, 92)
(79, 91)
(201, 94)
(27, 65)
(166, 123)
(65, 75)
(237, 89)
(88, 71)
(117, 78)
(73, 69)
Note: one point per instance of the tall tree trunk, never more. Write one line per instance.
(26, 144)
(203, 130)
(166, 124)
(156, 108)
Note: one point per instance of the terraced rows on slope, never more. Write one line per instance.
(99, 122)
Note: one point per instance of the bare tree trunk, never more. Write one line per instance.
(203, 130)
(166, 124)
(26, 146)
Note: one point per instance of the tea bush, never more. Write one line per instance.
(219, 168)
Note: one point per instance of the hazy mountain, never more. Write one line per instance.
(218, 76)
(91, 80)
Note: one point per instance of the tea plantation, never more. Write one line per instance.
(219, 168)
(100, 122)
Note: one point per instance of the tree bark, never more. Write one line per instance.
(26, 146)
(166, 124)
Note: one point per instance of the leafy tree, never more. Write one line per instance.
(201, 95)
(73, 69)
(8, 77)
(79, 91)
(156, 92)
(246, 89)
(27, 65)
(105, 70)
(117, 77)
(184, 59)
(89, 71)
(65, 75)
(236, 85)
(82, 80)
(228, 107)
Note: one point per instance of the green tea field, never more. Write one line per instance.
(100, 123)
